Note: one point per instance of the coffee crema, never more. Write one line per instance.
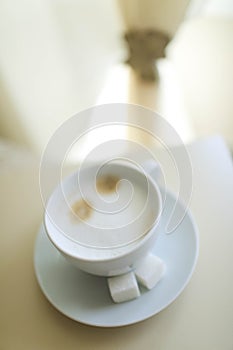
(81, 210)
(107, 183)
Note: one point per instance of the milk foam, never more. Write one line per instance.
(106, 233)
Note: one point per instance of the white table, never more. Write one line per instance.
(201, 317)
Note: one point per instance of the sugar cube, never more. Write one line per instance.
(124, 287)
(150, 270)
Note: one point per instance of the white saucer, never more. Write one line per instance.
(85, 298)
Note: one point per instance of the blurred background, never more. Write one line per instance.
(60, 57)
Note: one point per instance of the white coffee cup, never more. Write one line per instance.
(104, 219)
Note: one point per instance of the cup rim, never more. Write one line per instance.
(69, 249)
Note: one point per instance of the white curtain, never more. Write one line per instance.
(54, 56)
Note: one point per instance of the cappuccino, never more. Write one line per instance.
(105, 215)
